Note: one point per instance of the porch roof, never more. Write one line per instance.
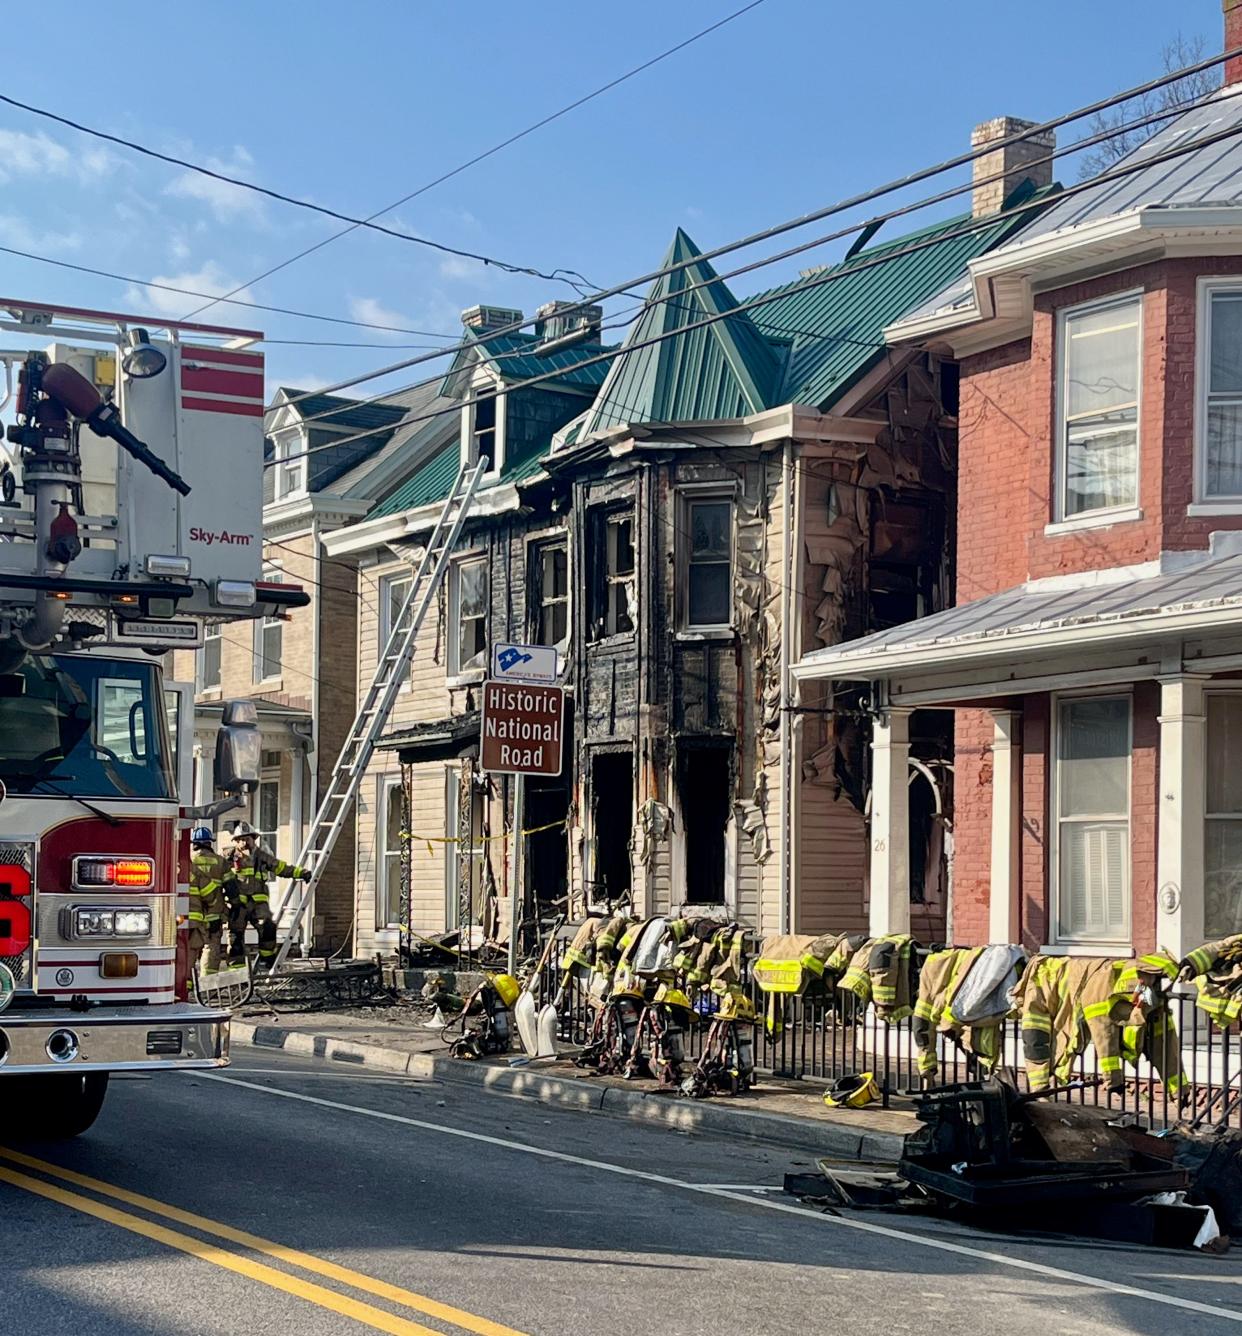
(439, 740)
(1183, 594)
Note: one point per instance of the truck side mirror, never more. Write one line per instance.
(238, 748)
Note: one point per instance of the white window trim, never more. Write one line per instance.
(384, 786)
(1091, 519)
(455, 675)
(215, 632)
(284, 443)
(682, 543)
(271, 570)
(536, 543)
(267, 775)
(1059, 942)
(1202, 503)
(483, 382)
(385, 582)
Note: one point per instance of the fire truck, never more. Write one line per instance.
(131, 494)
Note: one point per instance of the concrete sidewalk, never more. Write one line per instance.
(787, 1113)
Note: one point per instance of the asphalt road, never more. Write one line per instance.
(296, 1195)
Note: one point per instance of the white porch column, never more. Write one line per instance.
(1182, 800)
(1006, 827)
(890, 822)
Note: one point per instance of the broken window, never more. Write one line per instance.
(612, 574)
(612, 819)
(550, 593)
(703, 788)
(468, 615)
(709, 565)
(483, 425)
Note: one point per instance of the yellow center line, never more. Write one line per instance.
(278, 1280)
(420, 1303)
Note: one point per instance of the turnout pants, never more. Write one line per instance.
(256, 914)
(205, 935)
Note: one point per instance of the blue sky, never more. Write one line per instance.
(789, 107)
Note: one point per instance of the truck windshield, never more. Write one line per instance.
(84, 725)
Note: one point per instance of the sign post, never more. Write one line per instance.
(522, 733)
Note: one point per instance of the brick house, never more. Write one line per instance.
(1092, 661)
(300, 669)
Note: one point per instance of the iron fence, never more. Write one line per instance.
(829, 1034)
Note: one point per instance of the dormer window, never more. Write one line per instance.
(290, 465)
(483, 422)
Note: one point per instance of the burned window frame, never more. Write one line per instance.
(484, 389)
(539, 603)
(683, 546)
(474, 667)
(603, 581)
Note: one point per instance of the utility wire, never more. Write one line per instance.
(557, 275)
(254, 306)
(490, 152)
(835, 274)
(827, 211)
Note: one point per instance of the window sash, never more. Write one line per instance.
(209, 659)
(1092, 866)
(619, 563)
(1098, 450)
(266, 811)
(388, 871)
(552, 603)
(710, 554)
(268, 637)
(469, 608)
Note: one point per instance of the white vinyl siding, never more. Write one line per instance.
(1222, 863)
(1098, 428)
(1091, 793)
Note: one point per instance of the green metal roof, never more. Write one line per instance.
(516, 358)
(837, 326)
(432, 481)
(723, 370)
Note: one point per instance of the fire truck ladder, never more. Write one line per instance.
(372, 717)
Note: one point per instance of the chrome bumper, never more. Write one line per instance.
(113, 1039)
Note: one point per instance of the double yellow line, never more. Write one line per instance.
(376, 1318)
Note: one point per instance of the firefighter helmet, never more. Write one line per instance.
(202, 835)
(244, 830)
(852, 1092)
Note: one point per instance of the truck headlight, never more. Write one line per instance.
(112, 923)
(132, 923)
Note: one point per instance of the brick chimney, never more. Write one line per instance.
(479, 319)
(1019, 162)
(1233, 37)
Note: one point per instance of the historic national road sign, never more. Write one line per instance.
(523, 728)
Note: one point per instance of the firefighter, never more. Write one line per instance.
(253, 864)
(210, 875)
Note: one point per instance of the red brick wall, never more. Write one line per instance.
(1033, 907)
(972, 826)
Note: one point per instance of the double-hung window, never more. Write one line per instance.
(1222, 861)
(394, 590)
(290, 461)
(209, 659)
(1098, 448)
(707, 542)
(612, 590)
(483, 425)
(268, 637)
(550, 588)
(1220, 394)
(467, 638)
(1092, 809)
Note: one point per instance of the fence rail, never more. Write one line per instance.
(830, 1035)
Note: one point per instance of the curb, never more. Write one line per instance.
(682, 1115)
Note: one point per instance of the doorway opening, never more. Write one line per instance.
(704, 785)
(612, 820)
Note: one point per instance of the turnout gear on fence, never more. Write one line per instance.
(1216, 968)
(1118, 1005)
(727, 1064)
(879, 972)
(791, 964)
(964, 992)
(210, 875)
(253, 867)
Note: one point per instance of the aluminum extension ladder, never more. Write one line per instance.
(372, 718)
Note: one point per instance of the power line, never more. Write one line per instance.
(815, 281)
(557, 275)
(827, 211)
(254, 306)
(495, 148)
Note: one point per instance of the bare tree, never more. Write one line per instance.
(1171, 98)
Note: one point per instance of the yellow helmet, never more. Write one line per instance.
(852, 1092)
(736, 1006)
(669, 996)
(506, 986)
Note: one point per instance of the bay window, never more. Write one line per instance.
(1098, 431)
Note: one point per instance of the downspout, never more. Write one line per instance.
(786, 563)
